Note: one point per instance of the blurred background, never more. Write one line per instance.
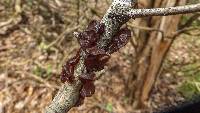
(158, 68)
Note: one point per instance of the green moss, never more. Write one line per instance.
(109, 107)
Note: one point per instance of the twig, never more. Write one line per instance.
(190, 20)
(147, 29)
(61, 36)
(187, 29)
(46, 83)
(18, 8)
(2, 24)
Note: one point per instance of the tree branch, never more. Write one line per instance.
(139, 13)
(118, 14)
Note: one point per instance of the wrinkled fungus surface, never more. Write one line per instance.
(119, 40)
(91, 35)
(67, 73)
(95, 58)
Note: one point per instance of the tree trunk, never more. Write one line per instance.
(151, 50)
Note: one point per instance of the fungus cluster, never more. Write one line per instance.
(95, 58)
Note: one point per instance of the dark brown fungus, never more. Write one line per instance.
(80, 101)
(95, 59)
(87, 77)
(67, 73)
(91, 35)
(88, 89)
(96, 26)
(88, 39)
(96, 62)
(119, 40)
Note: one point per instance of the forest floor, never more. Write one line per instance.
(25, 90)
(30, 65)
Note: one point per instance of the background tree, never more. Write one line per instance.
(151, 49)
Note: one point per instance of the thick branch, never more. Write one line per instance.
(119, 13)
(68, 95)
